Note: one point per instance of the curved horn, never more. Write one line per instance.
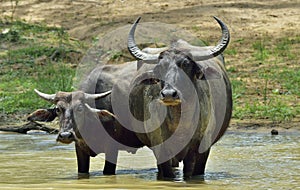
(48, 97)
(219, 48)
(155, 50)
(96, 96)
(134, 49)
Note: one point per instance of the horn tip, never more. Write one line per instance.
(218, 20)
(138, 19)
(37, 91)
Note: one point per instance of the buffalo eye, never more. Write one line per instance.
(198, 72)
(58, 110)
(150, 81)
(80, 108)
(185, 63)
(154, 81)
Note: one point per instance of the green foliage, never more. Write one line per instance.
(10, 35)
(116, 55)
(277, 111)
(28, 55)
(16, 88)
(261, 52)
(33, 56)
(283, 48)
(292, 80)
(230, 52)
(275, 94)
(238, 89)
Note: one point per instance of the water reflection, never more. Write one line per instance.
(239, 160)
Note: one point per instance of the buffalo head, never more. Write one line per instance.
(72, 109)
(179, 61)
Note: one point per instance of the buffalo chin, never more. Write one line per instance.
(65, 141)
(175, 102)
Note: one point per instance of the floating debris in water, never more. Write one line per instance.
(274, 132)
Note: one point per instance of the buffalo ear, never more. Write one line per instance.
(207, 73)
(46, 115)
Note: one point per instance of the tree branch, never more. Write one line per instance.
(28, 127)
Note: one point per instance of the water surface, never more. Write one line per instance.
(238, 161)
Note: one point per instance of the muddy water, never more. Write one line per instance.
(238, 161)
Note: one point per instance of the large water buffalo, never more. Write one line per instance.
(184, 97)
(93, 130)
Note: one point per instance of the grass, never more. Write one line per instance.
(273, 89)
(17, 86)
(266, 86)
(34, 56)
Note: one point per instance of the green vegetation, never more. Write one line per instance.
(34, 56)
(272, 90)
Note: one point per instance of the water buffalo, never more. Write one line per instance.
(92, 133)
(184, 96)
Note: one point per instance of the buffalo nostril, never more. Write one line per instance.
(174, 94)
(65, 135)
(169, 94)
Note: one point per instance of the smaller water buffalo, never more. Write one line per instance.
(93, 130)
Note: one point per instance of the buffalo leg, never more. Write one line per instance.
(188, 164)
(165, 170)
(175, 162)
(83, 160)
(110, 162)
(201, 163)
